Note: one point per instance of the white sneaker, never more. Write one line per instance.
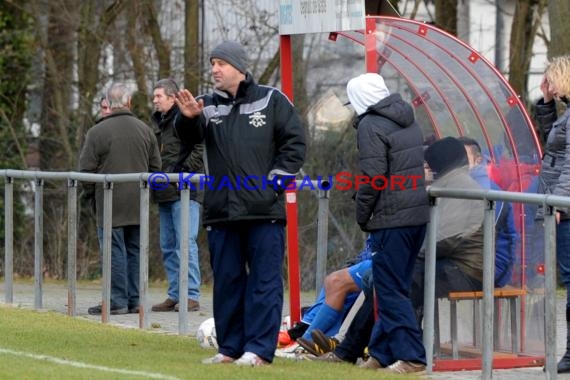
(289, 352)
(250, 359)
(218, 359)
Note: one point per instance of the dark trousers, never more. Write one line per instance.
(125, 265)
(396, 334)
(358, 333)
(448, 278)
(247, 260)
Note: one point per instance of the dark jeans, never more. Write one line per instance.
(246, 259)
(125, 269)
(449, 278)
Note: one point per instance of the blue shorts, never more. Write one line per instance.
(357, 271)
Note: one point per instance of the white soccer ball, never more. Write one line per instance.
(206, 334)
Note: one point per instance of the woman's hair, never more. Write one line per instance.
(558, 71)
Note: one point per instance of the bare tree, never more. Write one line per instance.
(446, 15)
(558, 14)
(161, 45)
(192, 48)
(93, 28)
(526, 21)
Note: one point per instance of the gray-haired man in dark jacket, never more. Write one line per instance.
(120, 143)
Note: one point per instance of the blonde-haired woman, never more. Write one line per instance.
(555, 170)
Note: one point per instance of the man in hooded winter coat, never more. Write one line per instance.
(390, 150)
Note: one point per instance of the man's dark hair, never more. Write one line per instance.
(471, 142)
(169, 85)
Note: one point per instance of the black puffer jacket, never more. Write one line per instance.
(176, 155)
(246, 137)
(390, 145)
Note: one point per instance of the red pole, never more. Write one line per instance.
(291, 195)
(371, 56)
(286, 56)
(293, 256)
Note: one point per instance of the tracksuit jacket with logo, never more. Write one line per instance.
(248, 140)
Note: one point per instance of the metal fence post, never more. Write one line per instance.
(429, 284)
(38, 242)
(71, 247)
(143, 255)
(322, 238)
(183, 273)
(107, 244)
(550, 289)
(488, 289)
(9, 240)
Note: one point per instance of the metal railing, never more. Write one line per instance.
(550, 203)
(107, 180)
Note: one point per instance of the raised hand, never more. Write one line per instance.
(188, 105)
(546, 89)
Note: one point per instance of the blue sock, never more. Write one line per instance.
(326, 320)
(314, 309)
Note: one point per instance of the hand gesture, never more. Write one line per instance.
(188, 105)
(546, 90)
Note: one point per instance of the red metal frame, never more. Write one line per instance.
(372, 65)
(291, 196)
(372, 57)
(498, 363)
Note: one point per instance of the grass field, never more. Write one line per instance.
(49, 345)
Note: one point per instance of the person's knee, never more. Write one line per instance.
(339, 282)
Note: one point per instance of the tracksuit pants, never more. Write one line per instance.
(247, 262)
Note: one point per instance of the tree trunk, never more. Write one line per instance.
(558, 13)
(526, 20)
(139, 101)
(192, 61)
(162, 47)
(90, 41)
(446, 15)
(56, 148)
(56, 152)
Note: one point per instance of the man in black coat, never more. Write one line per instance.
(120, 143)
(393, 207)
(253, 139)
(176, 157)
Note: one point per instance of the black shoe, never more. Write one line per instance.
(134, 309)
(326, 343)
(96, 310)
(310, 346)
(297, 330)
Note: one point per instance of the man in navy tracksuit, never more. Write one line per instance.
(253, 139)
